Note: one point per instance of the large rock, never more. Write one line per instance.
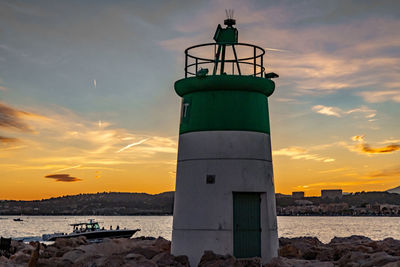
(389, 245)
(354, 239)
(164, 259)
(70, 242)
(20, 258)
(285, 262)
(73, 255)
(308, 248)
(210, 259)
(289, 251)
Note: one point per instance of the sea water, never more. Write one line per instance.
(323, 227)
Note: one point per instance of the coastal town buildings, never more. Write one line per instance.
(298, 195)
(332, 193)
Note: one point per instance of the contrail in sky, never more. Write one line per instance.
(73, 167)
(133, 144)
(275, 49)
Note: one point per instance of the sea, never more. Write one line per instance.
(31, 228)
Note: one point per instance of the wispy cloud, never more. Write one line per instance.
(68, 168)
(276, 49)
(334, 170)
(12, 118)
(133, 144)
(63, 178)
(300, 153)
(338, 112)
(329, 111)
(390, 172)
(381, 96)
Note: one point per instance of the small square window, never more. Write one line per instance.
(210, 179)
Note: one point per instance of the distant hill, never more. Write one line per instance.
(93, 204)
(115, 203)
(394, 190)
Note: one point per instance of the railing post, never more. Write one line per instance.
(196, 66)
(186, 61)
(255, 61)
(262, 66)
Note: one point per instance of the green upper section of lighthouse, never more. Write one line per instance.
(227, 91)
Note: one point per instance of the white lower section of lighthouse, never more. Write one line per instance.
(219, 175)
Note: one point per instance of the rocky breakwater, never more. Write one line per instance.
(142, 251)
(148, 251)
(340, 251)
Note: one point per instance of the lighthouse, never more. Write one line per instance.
(225, 196)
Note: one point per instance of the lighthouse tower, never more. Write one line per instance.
(225, 197)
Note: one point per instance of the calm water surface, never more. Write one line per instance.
(325, 228)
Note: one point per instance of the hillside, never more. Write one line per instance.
(160, 204)
(94, 204)
(394, 190)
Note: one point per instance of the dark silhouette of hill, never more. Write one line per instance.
(357, 199)
(394, 190)
(112, 203)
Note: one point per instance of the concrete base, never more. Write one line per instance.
(203, 213)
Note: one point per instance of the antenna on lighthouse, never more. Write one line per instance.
(229, 18)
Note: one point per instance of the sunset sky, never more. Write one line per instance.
(87, 102)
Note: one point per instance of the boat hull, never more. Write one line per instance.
(98, 234)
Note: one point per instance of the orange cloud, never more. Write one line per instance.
(8, 140)
(366, 148)
(394, 172)
(63, 178)
(359, 138)
(386, 149)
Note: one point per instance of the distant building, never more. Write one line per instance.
(332, 193)
(298, 195)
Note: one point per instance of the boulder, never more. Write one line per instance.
(183, 260)
(49, 252)
(162, 244)
(381, 259)
(210, 259)
(164, 259)
(389, 245)
(134, 256)
(356, 258)
(20, 258)
(73, 255)
(70, 242)
(392, 264)
(147, 252)
(285, 262)
(351, 239)
(289, 251)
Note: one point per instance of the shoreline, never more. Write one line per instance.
(150, 251)
(149, 215)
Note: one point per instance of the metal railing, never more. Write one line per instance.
(251, 65)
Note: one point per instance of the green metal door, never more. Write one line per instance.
(246, 222)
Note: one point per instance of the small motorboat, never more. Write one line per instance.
(18, 220)
(91, 230)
